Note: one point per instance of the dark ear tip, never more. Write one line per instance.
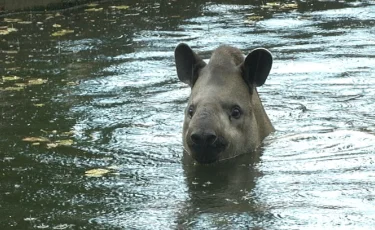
(182, 46)
(263, 51)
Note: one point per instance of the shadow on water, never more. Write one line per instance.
(222, 194)
(103, 94)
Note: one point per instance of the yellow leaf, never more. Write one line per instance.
(96, 172)
(65, 142)
(38, 105)
(273, 3)
(36, 139)
(254, 17)
(25, 22)
(37, 81)
(62, 32)
(72, 83)
(93, 9)
(9, 51)
(10, 78)
(35, 143)
(12, 29)
(4, 32)
(7, 31)
(56, 25)
(69, 133)
(92, 5)
(13, 88)
(113, 167)
(12, 20)
(20, 85)
(290, 6)
(52, 145)
(123, 7)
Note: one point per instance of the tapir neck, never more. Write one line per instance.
(264, 124)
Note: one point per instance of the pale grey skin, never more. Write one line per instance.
(224, 116)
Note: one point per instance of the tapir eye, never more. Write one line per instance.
(236, 112)
(191, 111)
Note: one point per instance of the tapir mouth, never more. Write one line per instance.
(206, 154)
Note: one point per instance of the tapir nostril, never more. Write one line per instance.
(203, 138)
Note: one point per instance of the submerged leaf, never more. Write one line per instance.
(96, 172)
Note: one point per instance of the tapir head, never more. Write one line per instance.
(224, 116)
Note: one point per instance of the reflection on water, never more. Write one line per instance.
(105, 95)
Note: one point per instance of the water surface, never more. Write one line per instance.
(104, 95)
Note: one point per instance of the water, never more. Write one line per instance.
(106, 96)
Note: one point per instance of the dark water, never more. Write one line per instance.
(105, 96)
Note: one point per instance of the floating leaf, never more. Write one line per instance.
(65, 142)
(254, 17)
(114, 167)
(10, 78)
(69, 133)
(35, 143)
(123, 7)
(12, 20)
(9, 51)
(36, 139)
(37, 81)
(25, 22)
(30, 219)
(92, 5)
(290, 6)
(273, 3)
(96, 172)
(13, 88)
(72, 83)
(7, 31)
(93, 9)
(56, 25)
(52, 145)
(21, 84)
(62, 32)
(60, 143)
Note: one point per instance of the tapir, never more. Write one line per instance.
(224, 116)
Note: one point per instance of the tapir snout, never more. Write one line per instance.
(224, 117)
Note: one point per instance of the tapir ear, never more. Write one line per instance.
(188, 64)
(257, 66)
